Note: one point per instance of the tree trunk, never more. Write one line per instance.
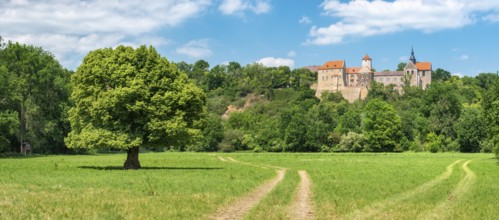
(132, 159)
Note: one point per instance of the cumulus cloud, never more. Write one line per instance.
(65, 27)
(276, 62)
(364, 18)
(292, 53)
(195, 49)
(464, 57)
(458, 74)
(238, 7)
(305, 20)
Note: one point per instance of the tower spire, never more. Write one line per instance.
(413, 58)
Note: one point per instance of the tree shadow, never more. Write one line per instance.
(149, 168)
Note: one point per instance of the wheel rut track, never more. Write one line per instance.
(300, 208)
(371, 210)
(244, 204)
(444, 208)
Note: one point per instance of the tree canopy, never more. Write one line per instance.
(126, 98)
(34, 91)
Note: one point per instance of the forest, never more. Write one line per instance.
(229, 107)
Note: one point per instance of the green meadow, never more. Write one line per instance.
(195, 185)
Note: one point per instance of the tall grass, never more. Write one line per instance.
(172, 186)
(196, 185)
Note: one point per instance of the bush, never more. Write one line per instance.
(434, 142)
(351, 142)
(213, 134)
(486, 146)
(233, 140)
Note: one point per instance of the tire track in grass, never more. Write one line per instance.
(443, 209)
(246, 163)
(370, 210)
(301, 208)
(244, 204)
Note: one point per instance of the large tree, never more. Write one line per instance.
(490, 106)
(382, 126)
(34, 95)
(441, 105)
(126, 98)
(440, 75)
(470, 129)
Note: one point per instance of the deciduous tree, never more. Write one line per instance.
(382, 126)
(126, 98)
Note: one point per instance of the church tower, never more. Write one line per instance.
(367, 62)
(413, 58)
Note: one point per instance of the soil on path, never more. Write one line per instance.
(244, 204)
(302, 208)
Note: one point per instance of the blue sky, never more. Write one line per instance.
(457, 35)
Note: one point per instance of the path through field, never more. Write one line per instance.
(301, 208)
(378, 207)
(442, 210)
(244, 204)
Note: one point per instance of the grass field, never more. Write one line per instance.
(197, 185)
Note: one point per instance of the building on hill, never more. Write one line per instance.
(353, 82)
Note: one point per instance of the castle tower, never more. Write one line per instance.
(367, 62)
(413, 58)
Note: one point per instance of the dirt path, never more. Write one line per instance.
(378, 207)
(244, 204)
(222, 159)
(301, 208)
(245, 163)
(443, 209)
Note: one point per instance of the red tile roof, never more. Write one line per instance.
(366, 57)
(352, 70)
(423, 66)
(336, 64)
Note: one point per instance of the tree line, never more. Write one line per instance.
(123, 98)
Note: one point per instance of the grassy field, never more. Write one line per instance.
(196, 185)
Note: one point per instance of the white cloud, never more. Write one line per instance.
(196, 49)
(238, 7)
(292, 53)
(305, 20)
(460, 75)
(364, 18)
(276, 62)
(403, 58)
(70, 29)
(464, 57)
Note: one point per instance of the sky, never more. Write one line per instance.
(461, 36)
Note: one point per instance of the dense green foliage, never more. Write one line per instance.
(381, 125)
(286, 116)
(34, 90)
(126, 98)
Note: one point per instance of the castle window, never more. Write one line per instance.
(407, 71)
(424, 73)
(412, 71)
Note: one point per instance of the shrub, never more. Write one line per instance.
(233, 140)
(434, 142)
(351, 142)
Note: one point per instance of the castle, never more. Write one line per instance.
(353, 82)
